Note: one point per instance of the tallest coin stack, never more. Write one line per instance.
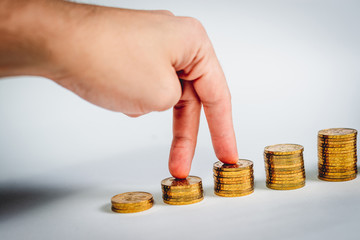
(337, 154)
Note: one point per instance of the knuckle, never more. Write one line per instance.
(195, 24)
(166, 12)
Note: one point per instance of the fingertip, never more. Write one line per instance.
(177, 170)
(228, 157)
(229, 160)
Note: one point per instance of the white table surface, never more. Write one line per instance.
(292, 68)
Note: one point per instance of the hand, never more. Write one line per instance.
(135, 62)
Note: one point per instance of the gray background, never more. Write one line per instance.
(292, 68)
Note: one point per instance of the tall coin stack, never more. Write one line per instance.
(337, 154)
(182, 191)
(233, 180)
(284, 166)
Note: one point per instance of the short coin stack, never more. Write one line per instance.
(182, 191)
(233, 180)
(132, 202)
(337, 154)
(284, 166)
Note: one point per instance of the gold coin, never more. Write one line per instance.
(329, 169)
(280, 187)
(337, 178)
(182, 198)
(285, 172)
(344, 138)
(234, 178)
(287, 176)
(130, 210)
(351, 165)
(335, 160)
(283, 166)
(340, 141)
(183, 202)
(182, 194)
(242, 164)
(232, 182)
(284, 180)
(175, 183)
(330, 166)
(352, 177)
(337, 145)
(234, 193)
(337, 173)
(291, 157)
(131, 202)
(336, 151)
(284, 149)
(337, 133)
(337, 155)
(283, 169)
(233, 174)
(194, 187)
(287, 183)
(232, 186)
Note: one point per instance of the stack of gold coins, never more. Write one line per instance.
(233, 180)
(132, 202)
(337, 154)
(284, 166)
(182, 191)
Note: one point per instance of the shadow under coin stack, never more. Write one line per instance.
(132, 202)
(284, 166)
(182, 191)
(233, 180)
(337, 154)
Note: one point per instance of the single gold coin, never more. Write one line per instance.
(352, 177)
(337, 133)
(337, 144)
(284, 187)
(327, 151)
(186, 202)
(292, 157)
(284, 149)
(233, 174)
(351, 140)
(337, 166)
(232, 186)
(286, 181)
(131, 202)
(284, 168)
(242, 164)
(337, 155)
(182, 194)
(181, 183)
(182, 198)
(223, 193)
(222, 181)
(285, 172)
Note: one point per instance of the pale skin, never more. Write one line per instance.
(129, 61)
